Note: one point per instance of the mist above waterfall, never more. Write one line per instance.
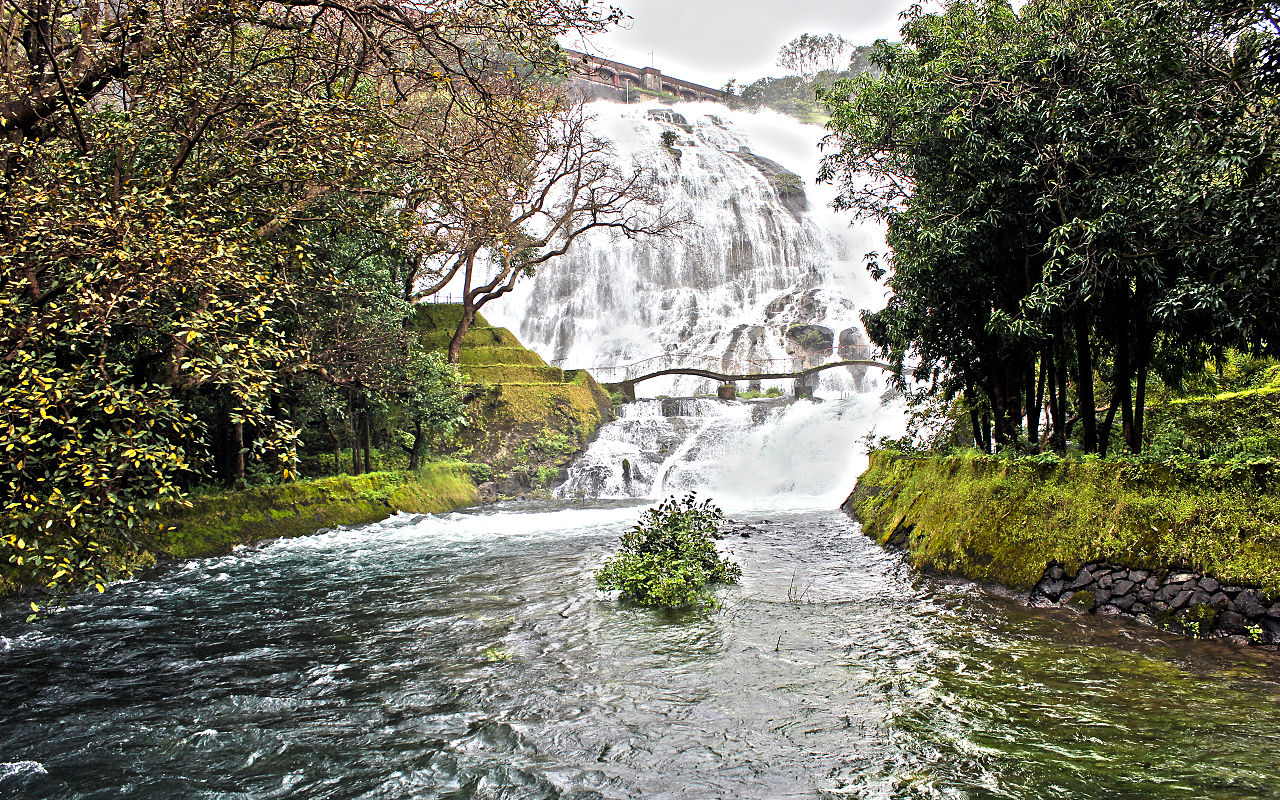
(765, 272)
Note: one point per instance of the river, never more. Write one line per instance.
(470, 656)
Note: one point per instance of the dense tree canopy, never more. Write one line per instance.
(1077, 194)
(208, 238)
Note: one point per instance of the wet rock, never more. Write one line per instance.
(1052, 588)
(1106, 581)
(1056, 572)
(1083, 579)
(1248, 604)
(1152, 583)
(1220, 599)
(1122, 586)
(1180, 577)
(1209, 584)
(1270, 630)
(1231, 622)
(671, 118)
(1145, 595)
(1109, 611)
(1181, 599)
(1124, 602)
(788, 185)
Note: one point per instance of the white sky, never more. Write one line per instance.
(711, 41)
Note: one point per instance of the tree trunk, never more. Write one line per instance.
(1139, 409)
(455, 345)
(415, 453)
(1124, 385)
(364, 440)
(1035, 399)
(1084, 383)
(1104, 440)
(1060, 403)
(237, 444)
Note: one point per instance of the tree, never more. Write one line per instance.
(534, 199)
(1072, 191)
(809, 54)
(164, 165)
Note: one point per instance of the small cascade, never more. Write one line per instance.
(759, 453)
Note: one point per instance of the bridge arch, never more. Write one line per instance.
(627, 386)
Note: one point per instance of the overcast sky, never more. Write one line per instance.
(711, 41)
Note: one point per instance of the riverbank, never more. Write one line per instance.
(527, 421)
(213, 524)
(1107, 537)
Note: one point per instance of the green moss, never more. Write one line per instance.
(522, 404)
(214, 524)
(485, 356)
(515, 373)
(1004, 521)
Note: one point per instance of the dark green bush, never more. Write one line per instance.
(669, 558)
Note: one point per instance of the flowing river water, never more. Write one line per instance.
(470, 656)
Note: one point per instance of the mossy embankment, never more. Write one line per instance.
(528, 419)
(1004, 521)
(213, 524)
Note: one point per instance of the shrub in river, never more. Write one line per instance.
(669, 558)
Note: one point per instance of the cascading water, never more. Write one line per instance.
(765, 275)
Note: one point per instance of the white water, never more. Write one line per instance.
(753, 265)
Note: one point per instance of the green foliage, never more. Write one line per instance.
(755, 394)
(669, 139)
(797, 95)
(1004, 520)
(1075, 192)
(669, 558)
(205, 255)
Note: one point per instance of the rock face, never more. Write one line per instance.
(789, 185)
(1187, 602)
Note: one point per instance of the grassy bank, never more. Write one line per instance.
(1003, 521)
(214, 524)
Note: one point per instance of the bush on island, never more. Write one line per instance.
(669, 558)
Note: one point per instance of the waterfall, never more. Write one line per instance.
(765, 272)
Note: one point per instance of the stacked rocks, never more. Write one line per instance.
(1186, 601)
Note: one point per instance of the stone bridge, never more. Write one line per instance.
(726, 371)
(624, 77)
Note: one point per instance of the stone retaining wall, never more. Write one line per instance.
(1188, 602)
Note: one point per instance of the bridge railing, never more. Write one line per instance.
(727, 366)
